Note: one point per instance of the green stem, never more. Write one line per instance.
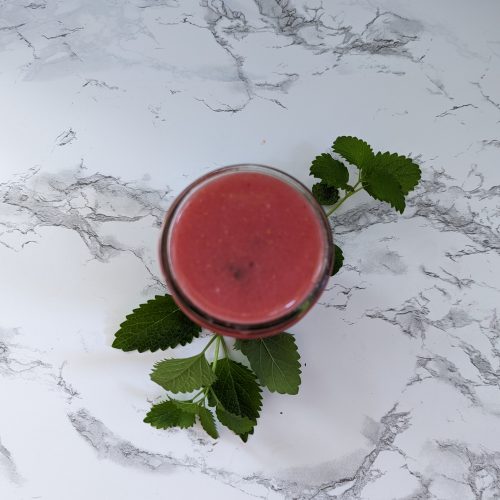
(198, 394)
(346, 197)
(224, 345)
(214, 337)
(203, 392)
(217, 401)
(216, 353)
(217, 339)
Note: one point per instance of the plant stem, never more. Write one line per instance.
(346, 197)
(216, 353)
(214, 396)
(197, 395)
(214, 337)
(204, 392)
(224, 345)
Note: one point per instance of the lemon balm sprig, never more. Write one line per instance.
(387, 177)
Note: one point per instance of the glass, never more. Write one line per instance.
(177, 220)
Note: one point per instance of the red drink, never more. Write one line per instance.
(246, 251)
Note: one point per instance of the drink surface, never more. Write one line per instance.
(246, 247)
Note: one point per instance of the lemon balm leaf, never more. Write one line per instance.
(384, 186)
(338, 260)
(237, 392)
(169, 414)
(325, 194)
(332, 172)
(236, 389)
(275, 361)
(402, 168)
(238, 424)
(184, 374)
(354, 150)
(207, 422)
(157, 324)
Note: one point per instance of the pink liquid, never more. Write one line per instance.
(247, 248)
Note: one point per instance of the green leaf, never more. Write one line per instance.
(236, 390)
(207, 422)
(275, 360)
(332, 172)
(354, 150)
(239, 425)
(205, 416)
(169, 414)
(384, 186)
(244, 437)
(183, 375)
(187, 407)
(404, 169)
(338, 260)
(325, 194)
(157, 324)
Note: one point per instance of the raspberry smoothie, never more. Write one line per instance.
(247, 252)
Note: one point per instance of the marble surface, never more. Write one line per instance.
(110, 107)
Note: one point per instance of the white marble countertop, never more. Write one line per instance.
(110, 107)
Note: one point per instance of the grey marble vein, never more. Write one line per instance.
(109, 446)
(447, 372)
(112, 447)
(8, 465)
(311, 28)
(66, 386)
(435, 201)
(482, 468)
(391, 425)
(18, 360)
(386, 34)
(411, 317)
(82, 203)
